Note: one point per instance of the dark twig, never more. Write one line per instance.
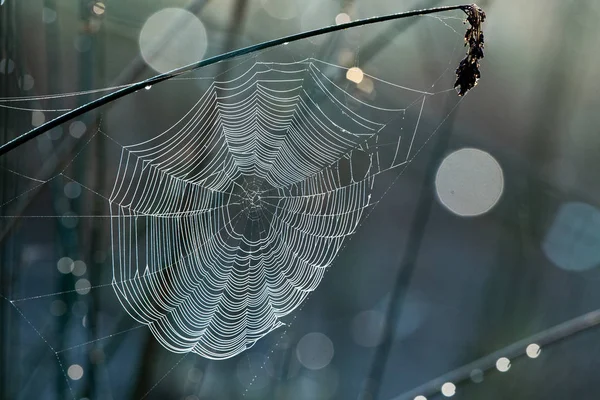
(16, 142)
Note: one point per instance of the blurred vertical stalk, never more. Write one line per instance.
(408, 260)
(65, 281)
(8, 377)
(90, 64)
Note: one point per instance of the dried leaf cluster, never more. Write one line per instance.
(467, 73)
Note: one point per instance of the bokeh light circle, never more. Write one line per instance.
(469, 182)
(77, 129)
(72, 190)
(58, 308)
(26, 82)
(65, 265)
(355, 75)
(75, 372)
(573, 239)
(7, 66)
(69, 220)
(99, 8)
(448, 389)
(533, 350)
(83, 286)
(315, 350)
(342, 18)
(172, 38)
(79, 268)
(37, 118)
(503, 364)
(55, 133)
(477, 376)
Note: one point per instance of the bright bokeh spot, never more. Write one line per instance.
(75, 372)
(58, 308)
(37, 118)
(65, 265)
(26, 82)
(172, 38)
(77, 129)
(469, 182)
(342, 18)
(315, 350)
(420, 398)
(72, 190)
(355, 75)
(83, 286)
(55, 133)
(573, 239)
(503, 364)
(79, 268)
(533, 350)
(448, 389)
(69, 220)
(7, 66)
(99, 8)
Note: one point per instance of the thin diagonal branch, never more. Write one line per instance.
(5, 148)
(544, 339)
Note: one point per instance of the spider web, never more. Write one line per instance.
(225, 219)
(231, 247)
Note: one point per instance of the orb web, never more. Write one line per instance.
(229, 218)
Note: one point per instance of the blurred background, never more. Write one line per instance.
(455, 286)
